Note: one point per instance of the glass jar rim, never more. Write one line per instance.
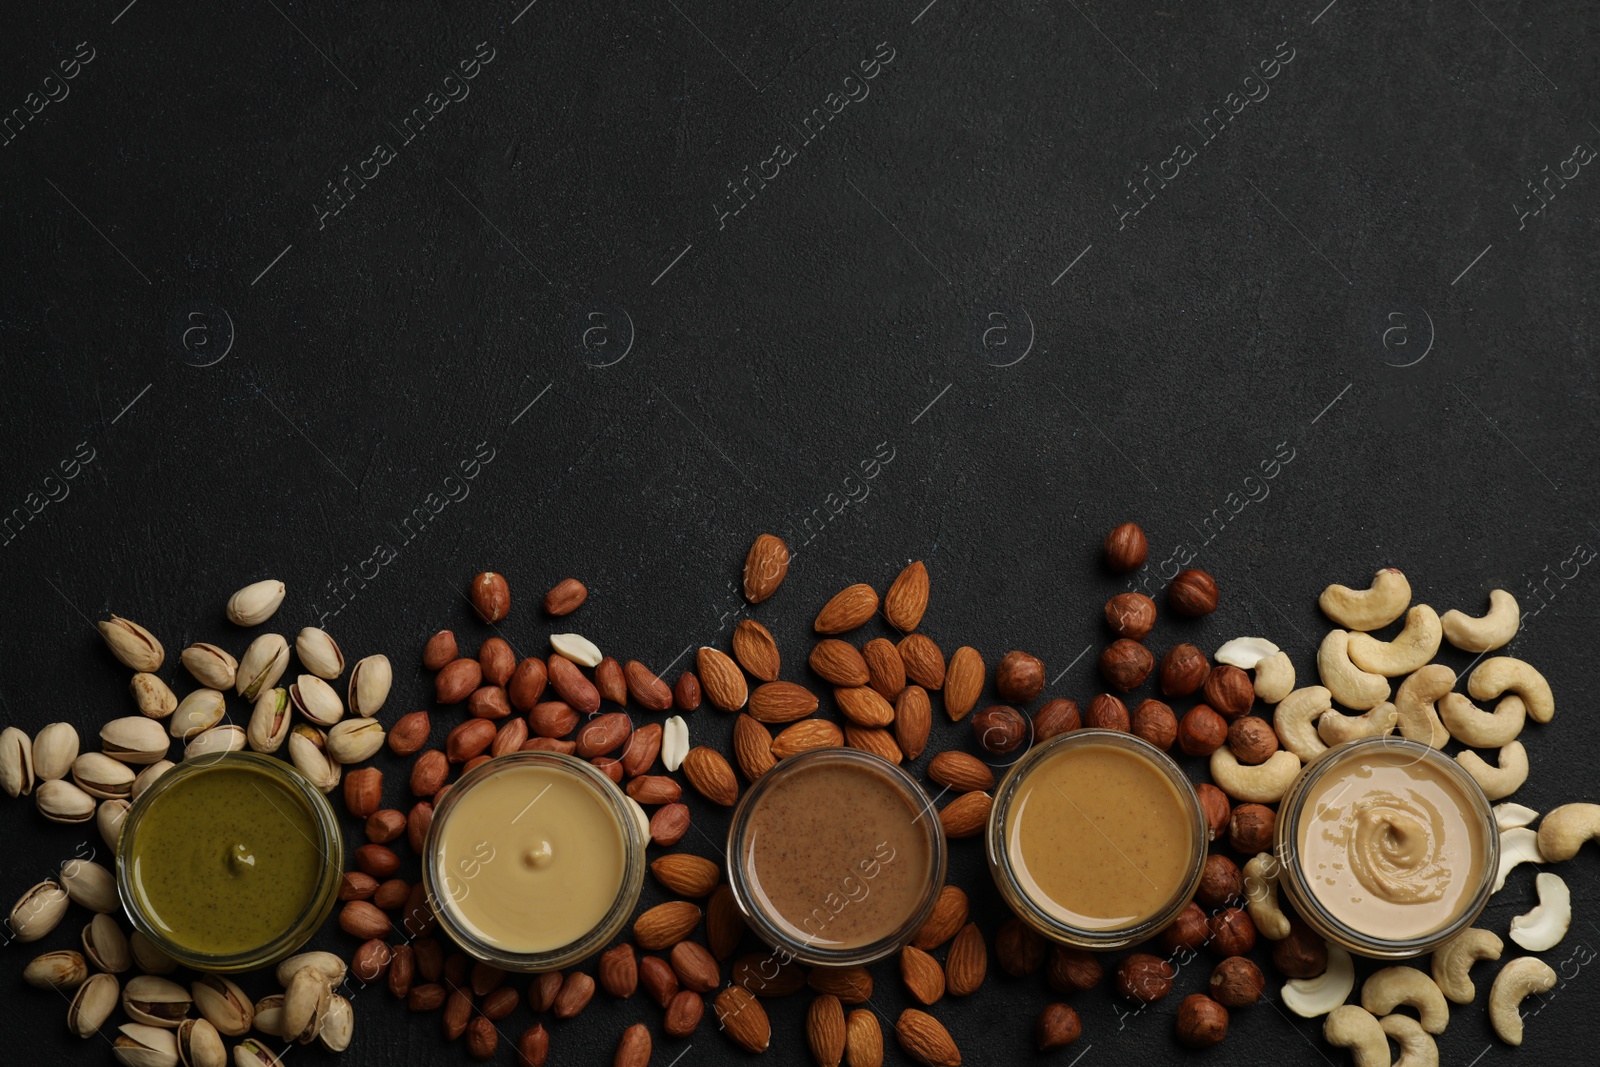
(633, 839)
(800, 949)
(1046, 923)
(1286, 851)
(318, 906)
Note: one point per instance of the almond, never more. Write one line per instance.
(647, 689)
(924, 662)
(864, 706)
(669, 824)
(665, 925)
(410, 733)
(604, 734)
(887, 670)
(849, 608)
(764, 975)
(807, 734)
(966, 815)
(921, 973)
(967, 962)
(752, 747)
(634, 1048)
(838, 662)
(644, 744)
(961, 771)
(765, 566)
(949, 915)
(743, 1019)
(683, 1013)
(907, 598)
(610, 681)
(825, 1030)
(782, 702)
(851, 985)
(686, 874)
(724, 923)
(456, 681)
(863, 1039)
(913, 718)
(756, 651)
(720, 679)
(877, 741)
(711, 776)
(655, 789)
(963, 682)
(926, 1040)
(695, 967)
(619, 970)
(571, 686)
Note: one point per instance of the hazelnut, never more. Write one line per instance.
(1144, 977)
(1216, 806)
(1058, 1025)
(1155, 722)
(1192, 592)
(1220, 883)
(1252, 829)
(1072, 970)
(1233, 932)
(1302, 954)
(1018, 948)
(1229, 690)
(1020, 677)
(1106, 712)
(1126, 664)
(1126, 548)
(1058, 716)
(1131, 615)
(1201, 731)
(1188, 930)
(999, 729)
(1202, 1022)
(1183, 670)
(1252, 739)
(1237, 982)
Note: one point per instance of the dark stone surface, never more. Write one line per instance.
(552, 273)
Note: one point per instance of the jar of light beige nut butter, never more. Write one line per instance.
(1387, 847)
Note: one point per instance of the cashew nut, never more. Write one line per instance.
(1547, 924)
(1564, 830)
(1410, 649)
(1471, 725)
(1488, 631)
(1453, 960)
(1263, 784)
(1335, 728)
(1417, 1047)
(1294, 716)
(1521, 977)
(1274, 678)
(1350, 685)
(1499, 673)
(1413, 704)
(1501, 781)
(1518, 846)
(1261, 896)
(1245, 652)
(1386, 989)
(1311, 997)
(1509, 816)
(1367, 609)
(1356, 1029)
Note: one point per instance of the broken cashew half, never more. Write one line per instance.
(1545, 926)
(1509, 816)
(1387, 989)
(1261, 896)
(1417, 1047)
(1349, 684)
(1520, 978)
(1413, 704)
(1411, 648)
(1453, 960)
(1294, 717)
(1262, 784)
(1473, 726)
(1311, 997)
(1518, 846)
(1564, 830)
(1498, 782)
(1335, 728)
(1487, 632)
(1356, 1029)
(1274, 678)
(1499, 673)
(1367, 609)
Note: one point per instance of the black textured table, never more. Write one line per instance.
(371, 297)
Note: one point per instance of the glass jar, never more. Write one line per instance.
(534, 861)
(1185, 824)
(836, 857)
(1341, 770)
(230, 863)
